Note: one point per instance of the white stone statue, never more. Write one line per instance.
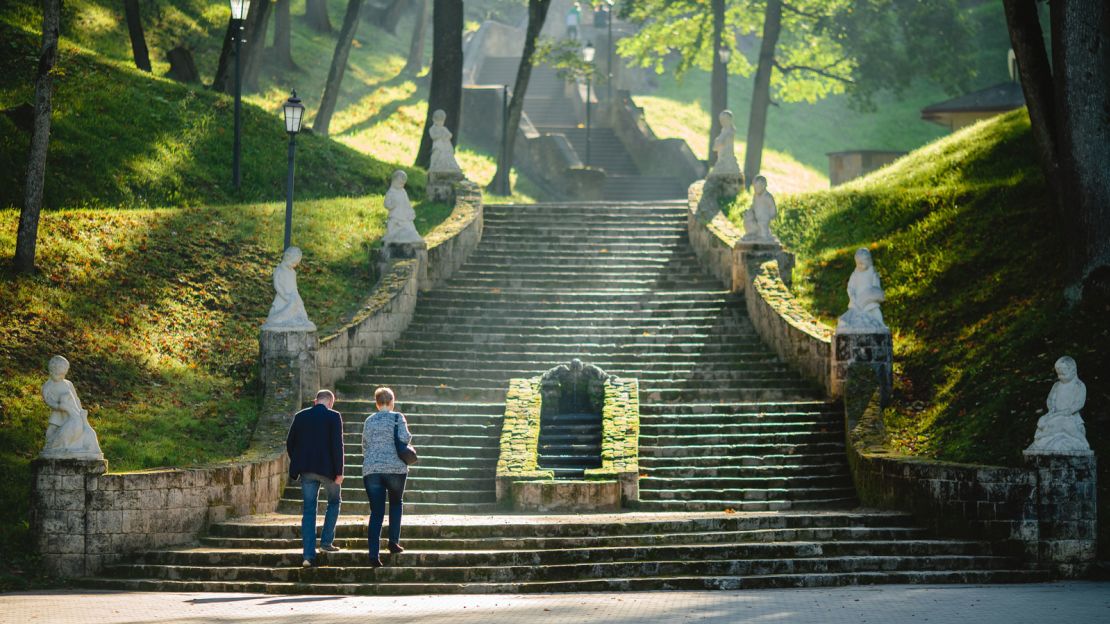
(1061, 430)
(443, 153)
(68, 433)
(758, 217)
(400, 227)
(724, 146)
(287, 312)
(865, 293)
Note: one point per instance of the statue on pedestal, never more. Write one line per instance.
(724, 146)
(400, 228)
(865, 293)
(287, 312)
(68, 433)
(1061, 430)
(758, 217)
(443, 152)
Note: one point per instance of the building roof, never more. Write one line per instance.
(998, 98)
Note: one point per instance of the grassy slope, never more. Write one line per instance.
(379, 112)
(154, 275)
(803, 133)
(963, 233)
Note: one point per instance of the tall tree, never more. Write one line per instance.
(138, 38)
(447, 69)
(283, 35)
(761, 92)
(825, 47)
(316, 15)
(223, 81)
(1069, 110)
(537, 15)
(254, 50)
(27, 234)
(415, 61)
(718, 96)
(338, 67)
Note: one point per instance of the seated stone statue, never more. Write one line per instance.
(758, 217)
(401, 227)
(287, 312)
(865, 293)
(725, 148)
(1061, 430)
(68, 433)
(443, 153)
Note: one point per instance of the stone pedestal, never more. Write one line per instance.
(718, 186)
(59, 520)
(441, 185)
(753, 253)
(566, 496)
(1067, 511)
(874, 349)
(289, 374)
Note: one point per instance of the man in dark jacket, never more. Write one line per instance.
(315, 447)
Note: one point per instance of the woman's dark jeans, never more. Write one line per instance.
(377, 486)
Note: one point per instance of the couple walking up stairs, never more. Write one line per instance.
(744, 477)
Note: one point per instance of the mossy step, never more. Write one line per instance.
(683, 473)
(709, 407)
(728, 440)
(763, 457)
(413, 495)
(702, 451)
(751, 425)
(834, 479)
(742, 506)
(749, 493)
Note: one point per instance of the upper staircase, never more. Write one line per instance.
(551, 112)
(749, 454)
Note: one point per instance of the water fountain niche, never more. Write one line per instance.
(572, 400)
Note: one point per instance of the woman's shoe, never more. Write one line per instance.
(396, 549)
(376, 563)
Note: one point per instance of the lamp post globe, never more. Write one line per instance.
(725, 54)
(294, 115)
(588, 52)
(239, 9)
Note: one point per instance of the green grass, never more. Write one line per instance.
(806, 132)
(966, 240)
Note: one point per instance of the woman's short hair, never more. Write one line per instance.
(383, 396)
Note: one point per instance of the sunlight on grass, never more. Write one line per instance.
(690, 122)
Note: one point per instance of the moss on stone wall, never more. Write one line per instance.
(620, 430)
(520, 433)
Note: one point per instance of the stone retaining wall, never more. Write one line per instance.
(1044, 512)
(715, 240)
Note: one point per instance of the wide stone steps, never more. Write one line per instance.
(761, 457)
(712, 504)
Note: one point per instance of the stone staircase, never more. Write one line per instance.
(551, 112)
(569, 444)
(744, 478)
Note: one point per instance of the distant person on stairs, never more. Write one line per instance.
(383, 471)
(574, 17)
(315, 447)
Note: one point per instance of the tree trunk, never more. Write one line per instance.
(415, 61)
(138, 39)
(1038, 85)
(537, 15)
(27, 234)
(718, 91)
(388, 18)
(316, 15)
(222, 81)
(1081, 58)
(447, 69)
(254, 46)
(761, 93)
(283, 40)
(338, 67)
(182, 66)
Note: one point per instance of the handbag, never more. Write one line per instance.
(405, 451)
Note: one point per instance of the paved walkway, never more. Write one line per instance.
(1071, 603)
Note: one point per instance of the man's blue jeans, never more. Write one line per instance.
(310, 490)
(377, 486)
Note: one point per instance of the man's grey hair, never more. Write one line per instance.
(325, 395)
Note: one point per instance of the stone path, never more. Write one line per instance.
(1075, 603)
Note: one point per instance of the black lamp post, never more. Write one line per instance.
(725, 54)
(503, 181)
(294, 112)
(239, 10)
(588, 56)
(609, 62)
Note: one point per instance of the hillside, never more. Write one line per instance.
(963, 234)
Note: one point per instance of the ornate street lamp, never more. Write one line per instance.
(294, 113)
(724, 54)
(239, 10)
(609, 62)
(588, 53)
(503, 181)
